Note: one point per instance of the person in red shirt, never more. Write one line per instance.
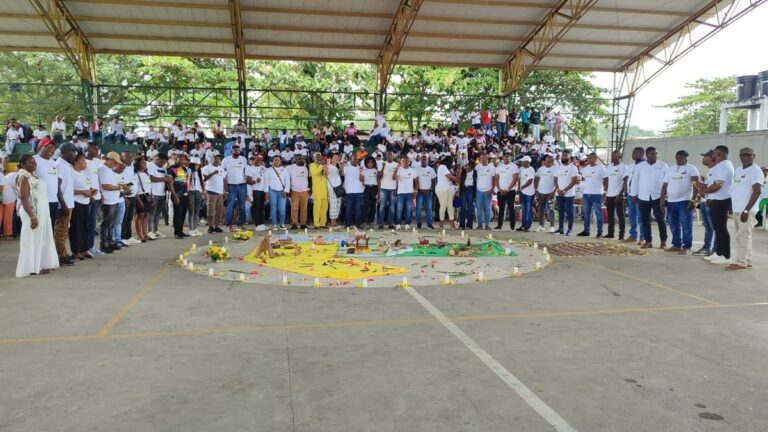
(485, 117)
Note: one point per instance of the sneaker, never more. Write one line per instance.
(430, 227)
(710, 257)
(684, 252)
(568, 234)
(736, 267)
(553, 230)
(418, 226)
(583, 234)
(303, 227)
(487, 227)
(261, 227)
(160, 235)
(540, 229)
(720, 260)
(608, 236)
(498, 228)
(630, 239)
(646, 246)
(151, 235)
(701, 252)
(293, 227)
(218, 230)
(381, 227)
(397, 227)
(599, 235)
(407, 227)
(673, 249)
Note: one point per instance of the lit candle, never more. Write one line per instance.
(447, 279)
(516, 271)
(414, 230)
(285, 280)
(226, 239)
(181, 257)
(210, 272)
(191, 266)
(544, 249)
(538, 265)
(404, 283)
(317, 283)
(347, 229)
(306, 231)
(286, 232)
(210, 242)
(194, 247)
(269, 232)
(365, 283)
(490, 236)
(242, 277)
(184, 262)
(443, 233)
(480, 276)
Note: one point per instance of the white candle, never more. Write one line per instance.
(365, 283)
(538, 265)
(184, 262)
(443, 232)
(286, 232)
(347, 229)
(516, 271)
(191, 266)
(306, 231)
(242, 277)
(447, 279)
(226, 239)
(414, 230)
(535, 245)
(181, 257)
(317, 282)
(404, 282)
(269, 232)
(480, 276)
(210, 242)
(490, 236)
(210, 272)
(194, 247)
(462, 233)
(285, 280)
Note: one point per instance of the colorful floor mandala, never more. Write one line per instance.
(367, 259)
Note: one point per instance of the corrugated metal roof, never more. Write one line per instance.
(445, 32)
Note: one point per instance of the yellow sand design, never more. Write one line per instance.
(323, 263)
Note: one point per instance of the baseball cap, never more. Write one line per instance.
(194, 160)
(709, 154)
(525, 159)
(683, 152)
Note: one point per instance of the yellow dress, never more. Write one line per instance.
(319, 194)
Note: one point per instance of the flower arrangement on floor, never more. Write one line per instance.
(218, 253)
(242, 235)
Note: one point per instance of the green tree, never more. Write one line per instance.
(699, 112)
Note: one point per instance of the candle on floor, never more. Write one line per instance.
(226, 239)
(535, 245)
(516, 271)
(194, 247)
(306, 231)
(462, 233)
(443, 232)
(480, 276)
(404, 283)
(242, 277)
(365, 283)
(447, 279)
(184, 262)
(191, 266)
(210, 272)
(284, 281)
(181, 257)
(538, 265)
(210, 242)
(316, 284)
(269, 232)
(544, 249)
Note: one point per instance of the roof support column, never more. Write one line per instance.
(540, 41)
(239, 46)
(393, 44)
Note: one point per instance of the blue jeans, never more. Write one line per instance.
(93, 135)
(236, 194)
(387, 199)
(276, 207)
(113, 137)
(681, 224)
(593, 203)
(545, 207)
(526, 206)
(565, 208)
(483, 204)
(93, 214)
(709, 229)
(635, 227)
(424, 200)
(354, 209)
(467, 210)
(119, 220)
(501, 129)
(404, 208)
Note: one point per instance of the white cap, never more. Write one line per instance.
(194, 160)
(525, 159)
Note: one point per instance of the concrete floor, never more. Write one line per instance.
(130, 342)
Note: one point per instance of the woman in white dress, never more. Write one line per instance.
(38, 251)
(334, 180)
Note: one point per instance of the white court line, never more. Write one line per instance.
(529, 397)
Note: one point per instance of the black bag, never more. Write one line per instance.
(339, 191)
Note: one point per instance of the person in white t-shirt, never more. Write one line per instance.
(445, 189)
(254, 176)
(427, 178)
(215, 189)
(508, 179)
(12, 137)
(487, 180)
(718, 193)
(234, 167)
(594, 185)
(748, 180)
(566, 179)
(407, 185)
(676, 194)
(387, 192)
(116, 131)
(277, 182)
(545, 190)
(615, 194)
(299, 177)
(527, 192)
(354, 188)
(58, 129)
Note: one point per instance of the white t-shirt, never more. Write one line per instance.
(66, 173)
(108, 177)
(234, 169)
(158, 188)
(143, 183)
(352, 183)
(46, 171)
(565, 173)
(443, 183)
(299, 176)
(370, 176)
(256, 173)
(616, 175)
(506, 174)
(387, 182)
(546, 177)
(485, 174)
(277, 178)
(426, 174)
(743, 180)
(81, 181)
(405, 178)
(334, 179)
(527, 174)
(722, 173)
(678, 180)
(92, 166)
(593, 179)
(214, 184)
(13, 135)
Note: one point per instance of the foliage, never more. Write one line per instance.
(218, 253)
(699, 112)
(282, 94)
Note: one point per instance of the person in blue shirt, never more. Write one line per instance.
(525, 119)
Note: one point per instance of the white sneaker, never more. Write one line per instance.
(261, 227)
(397, 227)
(160, 235)
(194, 233)
(552, 229)
(407, 227)
(720, 260)
(151, 235)
(711, 257)
(133, 241)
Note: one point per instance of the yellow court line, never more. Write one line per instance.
(106, 328)
(367, 323)
(652, 283)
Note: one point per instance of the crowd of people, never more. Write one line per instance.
(65, 196)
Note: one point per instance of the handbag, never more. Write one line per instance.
(339, 191)
(144, 196)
